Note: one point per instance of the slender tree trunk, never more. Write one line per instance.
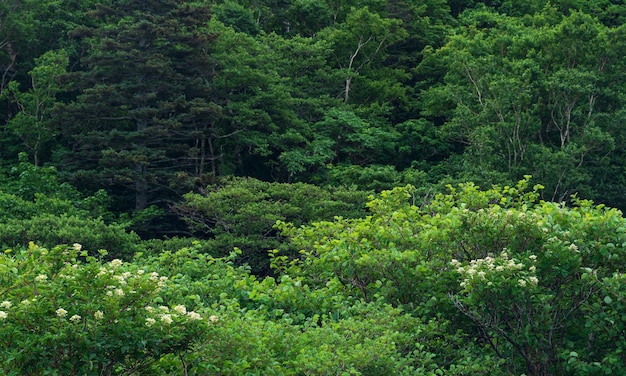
(141, 187)
(212, 150)
(141, 184)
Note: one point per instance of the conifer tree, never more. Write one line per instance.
(141, 97)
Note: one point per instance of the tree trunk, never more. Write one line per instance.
(141, 184)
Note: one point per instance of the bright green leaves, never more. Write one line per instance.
(525, 275)
(365, 37)
(32, 123)
(74, 317)
(354, 140)
(517, 99)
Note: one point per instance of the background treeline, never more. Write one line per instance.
(151, 100)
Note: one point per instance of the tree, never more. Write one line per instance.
(364, 35)
(32, 123)
(512, 102)
(242, 212)
(143, 98)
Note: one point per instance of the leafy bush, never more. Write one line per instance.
(65, 313)
(49, 230)
(36, 207)
(242, 213)
(536, 283)
(481, 282)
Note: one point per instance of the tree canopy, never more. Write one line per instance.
(299, 187)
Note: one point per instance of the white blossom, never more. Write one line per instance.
(180, 309)
(194, 316)
(116, 263)
(166, 318)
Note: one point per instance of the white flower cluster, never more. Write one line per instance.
(487, 268)
(75, 318)
(6, 305)
(61, 312)
(116, 263)
(122, 283)
(118, 282)
(166, 315)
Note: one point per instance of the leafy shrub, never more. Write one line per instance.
(65, 313)
(242, 213)
(536, 283)
(49, 230)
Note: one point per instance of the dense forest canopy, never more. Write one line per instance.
(151, 100)
(250, 153)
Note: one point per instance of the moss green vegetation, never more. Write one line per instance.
(299, 187)
(472, 281)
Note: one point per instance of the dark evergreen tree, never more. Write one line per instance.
(137, 122)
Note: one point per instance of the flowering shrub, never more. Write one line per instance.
(534, 284)
(475, 282)
(68, 314)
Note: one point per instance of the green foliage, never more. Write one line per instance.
(242, 213)
(37, 207)
(28, 180)
(32, 123)
(66, 314)
(523, 104)
(151, 99)
(140, 93)
(486, 282)
(528, 279)
(50, 229)
(185, 312)
(286, 326)
(359, 43)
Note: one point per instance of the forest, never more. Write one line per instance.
(312, 187)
